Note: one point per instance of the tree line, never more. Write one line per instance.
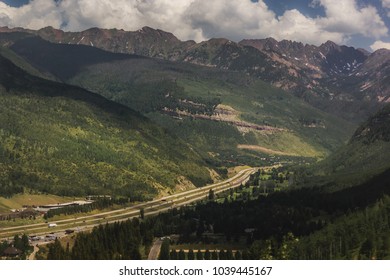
(297, 224)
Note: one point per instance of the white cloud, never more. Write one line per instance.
(295, 26)
(380, 45)
(126, 14)
(386, 4)
(237, 18)
(200, 19)
(35, 15)
(245, 19)
(347, 18)
(314, 4)
(242, 19)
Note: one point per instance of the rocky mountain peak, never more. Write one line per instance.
(148, 31)
(329, 45)
(381, 52)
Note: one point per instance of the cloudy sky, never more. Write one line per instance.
(359, 23)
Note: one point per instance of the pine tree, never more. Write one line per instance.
(211, 194)
(24, 243)
(191, 255)
(215, 255)
(56, 252)
(245, 255)
(17, 242)
(238, 255)
(173, 255)
(199, 255)
(181, 255)
(142, 213)
(207, 255)
(229, 255)
(222, 255)
(164, 253)
(67, 251)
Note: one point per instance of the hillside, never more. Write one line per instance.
(223, 113)
(341, 80)
(65, 140)
(366, 154)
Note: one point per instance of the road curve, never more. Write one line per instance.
(150, 208)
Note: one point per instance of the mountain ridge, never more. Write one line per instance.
(329, 76)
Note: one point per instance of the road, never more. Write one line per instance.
(150, 208)
(155, 250)
(32, 255)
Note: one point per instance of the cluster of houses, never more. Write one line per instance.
(33, 211)
(25, 213)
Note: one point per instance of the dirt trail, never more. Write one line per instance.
(264, 150)
(32, 256)
(228, 115)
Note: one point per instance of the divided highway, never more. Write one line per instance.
(153, 207)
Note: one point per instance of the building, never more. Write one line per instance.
(12, 252)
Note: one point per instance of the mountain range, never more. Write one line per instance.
(341, 80)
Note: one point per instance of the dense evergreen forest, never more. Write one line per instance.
(298, 224)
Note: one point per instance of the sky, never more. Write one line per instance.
(358, 23)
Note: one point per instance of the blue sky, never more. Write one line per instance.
(305, 7)
(15, 3)
(358, 23)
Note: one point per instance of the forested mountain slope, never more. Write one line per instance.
(62, 139)
(366, 154)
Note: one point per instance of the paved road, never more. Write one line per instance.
(155, 250)
(150, 208)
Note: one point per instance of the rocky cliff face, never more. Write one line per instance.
(374, 76)
(313, 65)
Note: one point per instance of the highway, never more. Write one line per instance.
(153, 207)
